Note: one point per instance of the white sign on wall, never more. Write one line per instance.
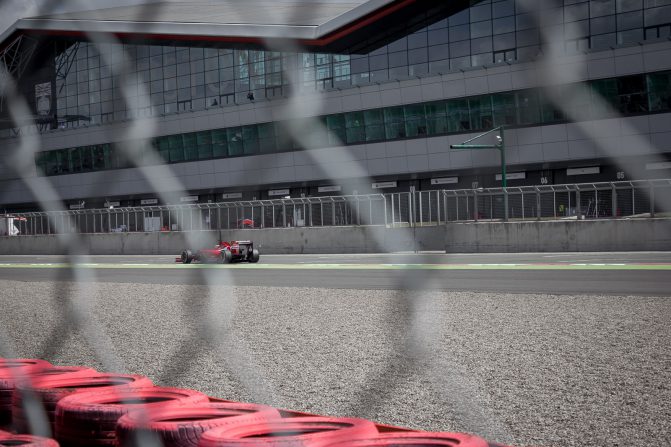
(581, 171)
(188, 199)
(512, 176)
(659, 165)
(108, 204)
(148, 201)
(77, 206)
(444, 180)
(334, 188)
(232, 195)
(382, 185)
(278, 192)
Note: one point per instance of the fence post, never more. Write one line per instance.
(421, 208)
(613, 200)
(652, 200)
(538, 205)
(475, 205)
(578, 211)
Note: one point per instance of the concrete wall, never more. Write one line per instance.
(484, 237)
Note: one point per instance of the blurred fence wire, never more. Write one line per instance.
(403, 209)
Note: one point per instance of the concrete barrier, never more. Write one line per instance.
(481, 237)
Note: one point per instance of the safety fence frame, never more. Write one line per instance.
(644, 198)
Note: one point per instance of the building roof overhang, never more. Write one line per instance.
(319, 25)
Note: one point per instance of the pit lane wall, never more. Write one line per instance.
(481, 237)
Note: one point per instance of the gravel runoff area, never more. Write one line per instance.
(529, 370)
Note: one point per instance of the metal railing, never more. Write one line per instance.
(646, 198)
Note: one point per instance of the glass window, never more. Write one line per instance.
(458, 115)
(630, 20)
(415, 121)
(631, 36)
(87, 158)
(71, 160)
(504, 108)
(266, 133)
(355, 129)
(632, 96)
(481, 12)
(190, 146)
(374, 125)
(164, 148)
(481, 29)
(336, 127)
(577, 101)
(250, 138)
(480, 109)
(601, 7)
(417, 40)
(602, 25)
(528, 107)
(461, 32)
(398, 59)
(219, 143)
(659, 88)
(436, 118)
(629, 5)
(176, 148)
(394, 123)
(234, 140)
(503, 8)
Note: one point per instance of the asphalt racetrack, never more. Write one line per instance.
(576, 273)
(565, 349)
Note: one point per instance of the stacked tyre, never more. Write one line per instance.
(90, 418)
(10, 439)
(409, 439)
(87, 408)
(12, 372)
(184, 426)
(300, 431)
(48, 390)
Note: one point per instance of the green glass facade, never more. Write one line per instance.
(627, 95)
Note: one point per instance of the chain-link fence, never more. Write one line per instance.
(131, 102)
(421, 208)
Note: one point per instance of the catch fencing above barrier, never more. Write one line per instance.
(646, 198)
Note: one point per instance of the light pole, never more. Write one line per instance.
(501, 146)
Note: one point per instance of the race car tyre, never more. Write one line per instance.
(187, 257)
(49, 390)
(417, 439)
(7, 439)
(255, 256)
(184, 426)
(225, 257)
(288, 432)
(13, 372)
(90, 418)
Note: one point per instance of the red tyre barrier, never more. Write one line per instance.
(11, 372)
(417, 439)
(90, 418)
(26, 441)
(183, 426)
(300, 431)
(49, 389)
(16, 367)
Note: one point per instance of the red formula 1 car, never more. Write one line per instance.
(224, 252)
